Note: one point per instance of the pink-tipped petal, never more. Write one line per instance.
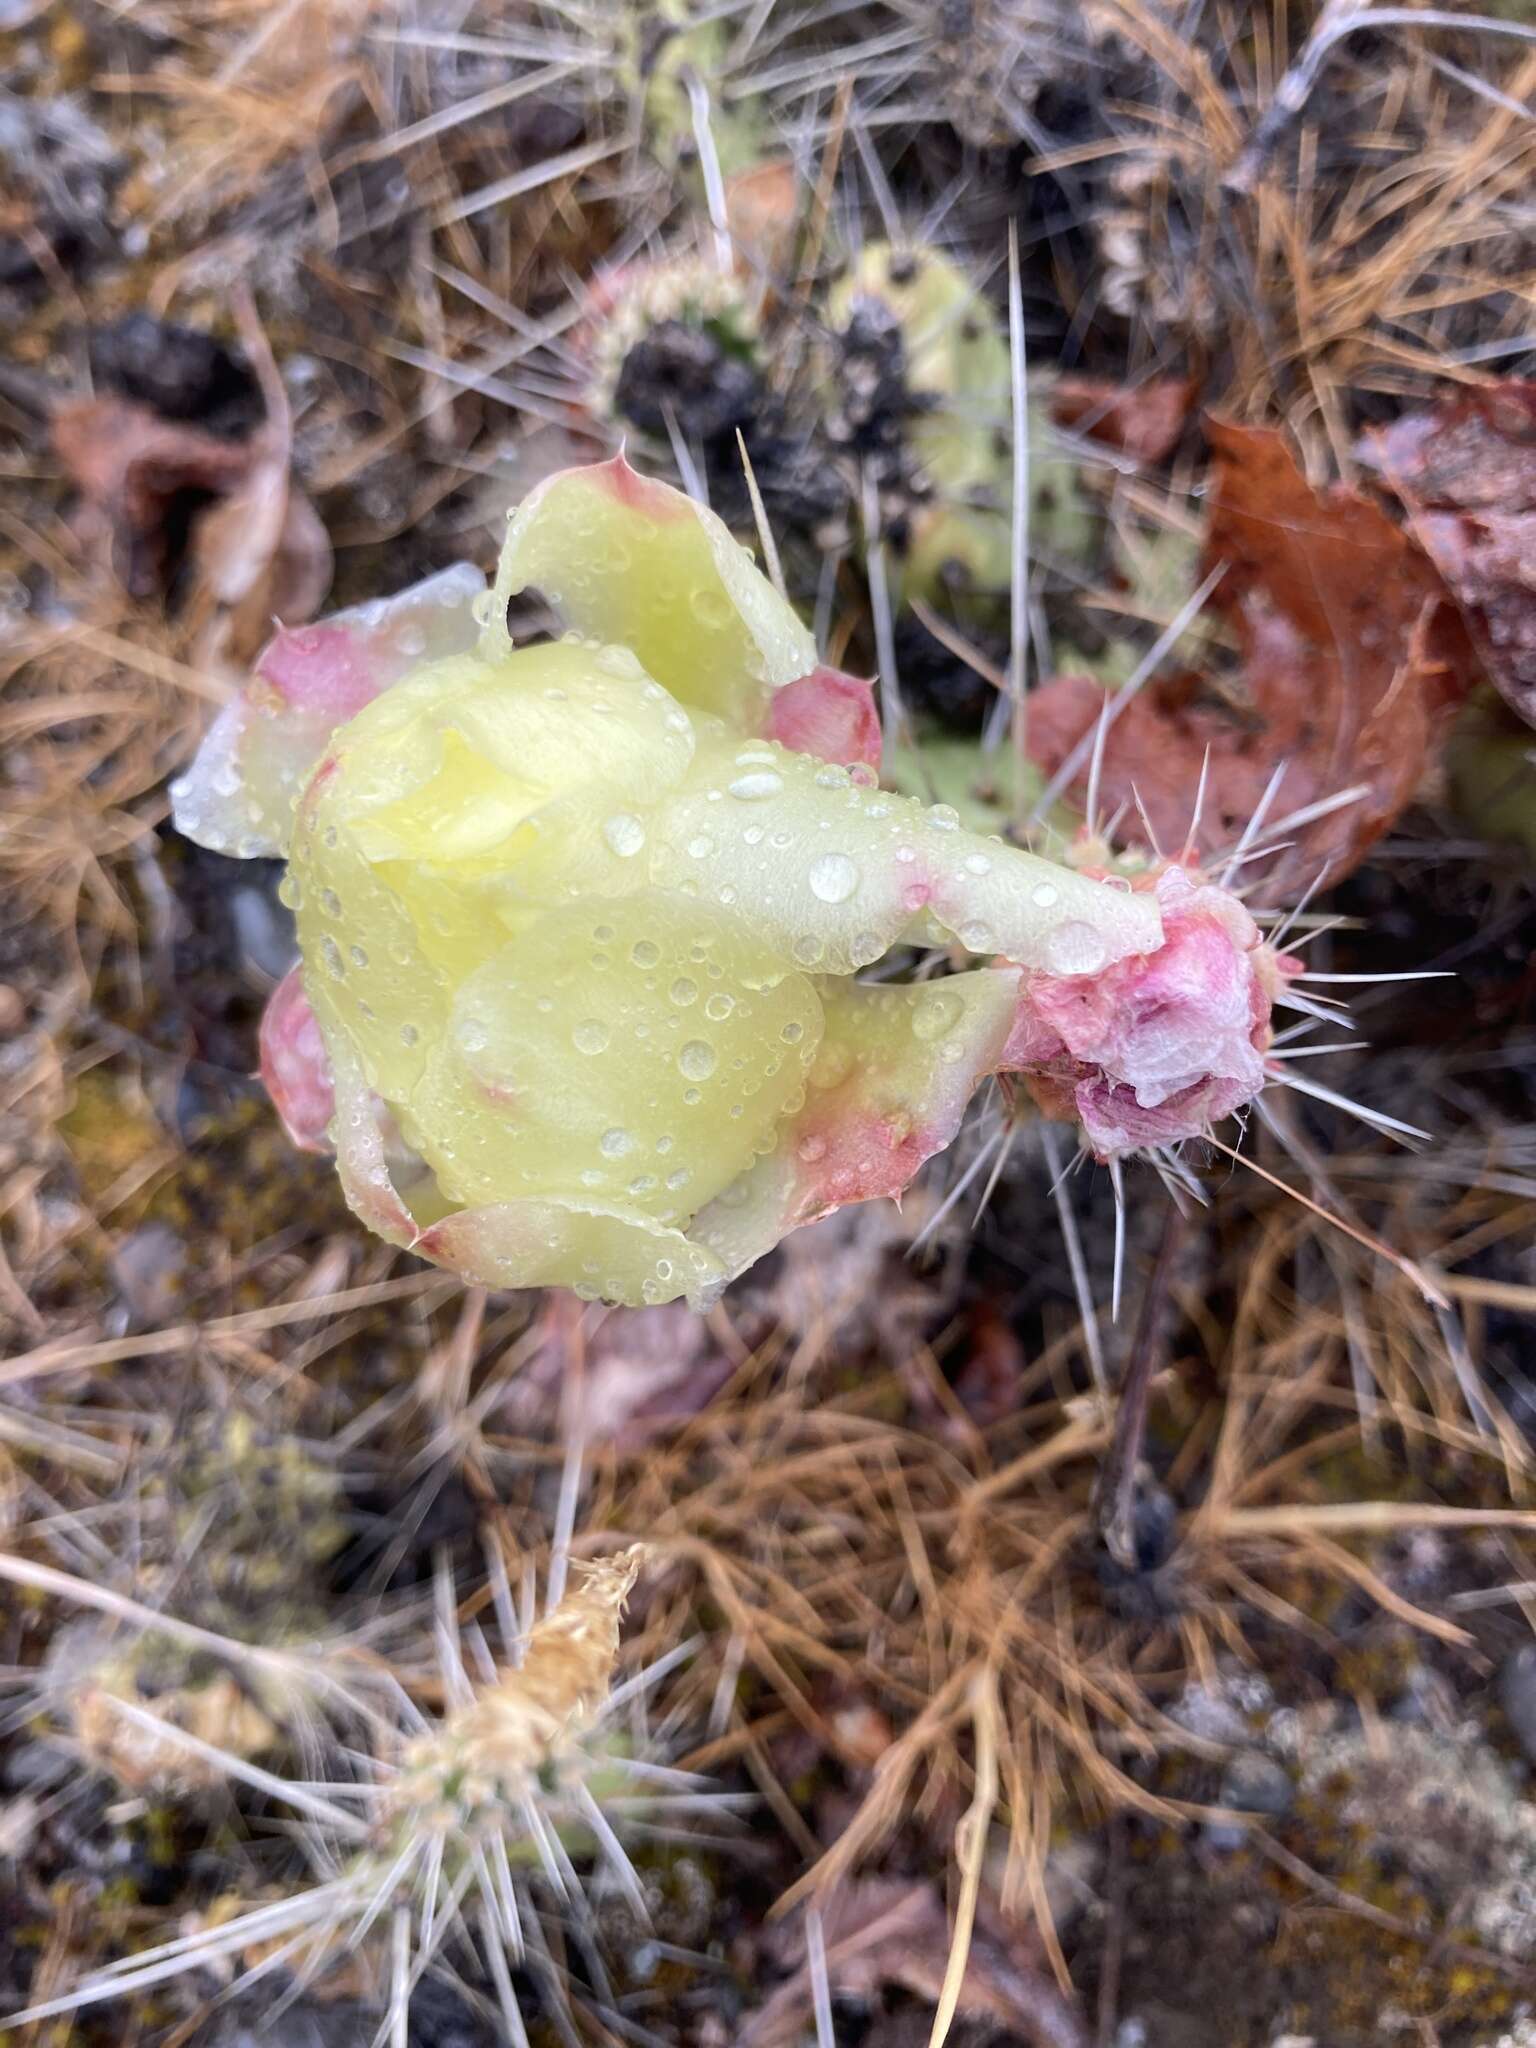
(296, 1067)
(624, 559)
(239, 794)
(827, 714)
(896, 1069)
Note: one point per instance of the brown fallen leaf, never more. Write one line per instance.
(131, 468)
(155, 492)
(1143, 420)
(886, 1933)
(1350, 658)
(645, 1372)
(1466, 474)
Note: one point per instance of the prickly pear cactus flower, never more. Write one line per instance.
(582, 922)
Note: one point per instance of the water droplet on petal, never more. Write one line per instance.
(943, 817)
(753, 787)
(719, 1006)
(697, 1060)
(683, 991)
(645, 952)
(1074, 948)
(590, 1036)
(936, 1016)
(615, 1143)
(624, 833)
(1043, 895)
(833, 878)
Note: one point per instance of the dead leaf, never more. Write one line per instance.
(646, 1372)
(884, 1933)
(155, 492)
(131, 467)
(1143, 420)
(1466, 474)
(263, 553)
(1349, 659)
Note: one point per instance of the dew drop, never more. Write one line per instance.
(1043, 895)
(645, 952)
(906, 855)
(1074, 949)
(943, 817)
(330, 953)
(473, 1036)
(696, 1061)
(753, 787)
(977, 864)
(677, 1180)
(833, 878)
(831, 777)
(701, 846)
(975, 936)
(683, 991)
(792, 1033)
(832, 1064)
(409, 1035)
(719, 1006)
(615, 1143)
(624, 833)
(936, 1017)
(590, 1036)
(330, 903)
(811, 1149)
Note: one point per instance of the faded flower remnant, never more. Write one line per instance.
(582, 921)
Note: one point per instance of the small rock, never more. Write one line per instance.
(1252, 1783)
(148, 1267)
